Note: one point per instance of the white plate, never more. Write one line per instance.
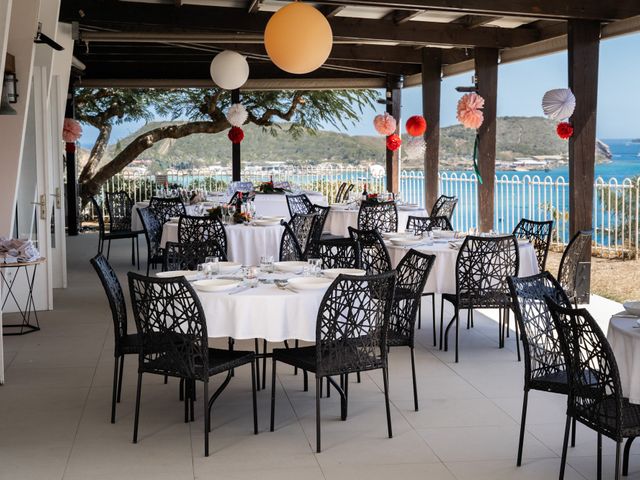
(215, 285)
(290, 266)
(444, 234)
(388, 235)
(334, 272)
(228, 267)
(309, 283)
(403, 241)
(266, 223)
(632, 307)
(188, 274)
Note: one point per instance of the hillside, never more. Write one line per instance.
(516, 137)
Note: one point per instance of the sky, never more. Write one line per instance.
(521, 86)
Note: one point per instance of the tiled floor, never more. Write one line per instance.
(55, 405)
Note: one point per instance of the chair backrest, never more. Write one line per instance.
(119, 206)
(595, 393)
(152, 229)
(303, 226)
(374, 256)
(573, 254)
(412, 274)
(352, 323)
(382, 216)
(187, 256)
(246, 196)
(425, 224)
(347, 191)
(340, 192)
(166, 208)
(444, 206)
(172, 326)
(98, 211)
(321, 218)
(290, 248)
(543, 357)
(482, 268)
(192, 229)
(299, 204)
(538, 233)
(337, 253)
(115, 295)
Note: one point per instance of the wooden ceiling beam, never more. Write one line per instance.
(331, 11)
(253, 6)
(401, 16)
(474, 21)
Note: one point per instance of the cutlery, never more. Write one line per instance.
(240, 289)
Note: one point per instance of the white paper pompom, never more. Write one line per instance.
(559, 104)
(237, 115)
(414, 148)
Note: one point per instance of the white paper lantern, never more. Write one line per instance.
(559, 103)
(229, 70)
(237, 115)
(414, 148)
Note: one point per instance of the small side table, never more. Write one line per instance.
(29, 309)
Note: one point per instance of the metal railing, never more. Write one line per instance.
(615, 216)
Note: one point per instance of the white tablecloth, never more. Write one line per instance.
(273, 205)
(245, 243)
(442, 278)
(262, 312)
(136, 224)
(625, 343)
(339, 220)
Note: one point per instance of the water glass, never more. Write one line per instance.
(429, 238)
(213, 265)
(315, 266)
(266, 263)
(201, 271)
(251, 276)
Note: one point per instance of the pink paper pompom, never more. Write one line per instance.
(71, 130)
(469, 114)
(384, 124)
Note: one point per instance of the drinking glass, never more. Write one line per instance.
(266, 263)
(251, 276)
(315, 266)
(213, 265)
(429, 235)
(201, 271)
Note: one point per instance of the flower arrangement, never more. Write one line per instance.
(215, 212)
(393, 142)
(564, 130)
(269, 187)
(241, 217)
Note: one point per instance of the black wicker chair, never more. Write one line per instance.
(166, 208)
(444, 207)
(124, 342)
(299, 204)
(571, 258)
(173, 329)
(539, 234)
(340, 193)
(595, 394)
(246, 196)
(296, 238)
(322, 213)
(412, 273)
(104, 235)
(544, 367)
(347, 191)
(374, 256)
(198, 238)
(337, 253)
(153, 234)
(482, 268)
(351, 336)
(120, 207)
(381, 216)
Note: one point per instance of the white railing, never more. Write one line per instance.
(615, 216)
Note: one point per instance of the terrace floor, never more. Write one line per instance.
(55, 407)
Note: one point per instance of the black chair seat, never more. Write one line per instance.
(219, 361)
(395, 339)
(330, 236)
(305, 358)
(130, 344)
(556, 382)
(122, 234)
(495, 300)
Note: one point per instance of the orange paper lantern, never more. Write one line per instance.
(298, 38)
(416, 125)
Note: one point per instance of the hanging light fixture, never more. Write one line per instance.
(298, 38)
(229, 70)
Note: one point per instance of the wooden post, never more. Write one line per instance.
(394, 103)
(72, 178)
(486, 63)
(431, 81)
(583, 46)
(236, 158)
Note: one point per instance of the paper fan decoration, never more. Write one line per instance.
(564, 130)
(393, 142)
(237, 115)
(559, 104)
(469, 112)
(236, 135)
(414, 148)
(385, 124)
(416, 126)
(71, 130)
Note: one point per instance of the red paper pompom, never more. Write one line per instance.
(564, 130)
(393, 142)
(416, 125)
(235, 134)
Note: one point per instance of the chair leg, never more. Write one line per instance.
(468, 319)
(500, 329)
(472, 318)
(420, 314)
(573, 433)
(433, 318)
(523, 422)
(318, 387)
(205, 404)
(457, 334)
(328, 388)
(358, 378)
(413, 374)
(506, 320)
(181, 393)
(114, 393)
(264, 364)
(295, 369)
(257, 365)
(563, 460)
(617, 475)
(273, 392)
(137, 414)
(441, 321)
(192, 397)
(120, 378)
(138, 250)
(385, 379)
(133, 251)
(108, 249)
(305, 381)
(517, 337)
(625, 458)
(166, 379)
(599, 471)
(254, 382)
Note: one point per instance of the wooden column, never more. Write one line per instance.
(486, 63)
(431, 81)
(394, 103)
(235, 147)
(72, 174)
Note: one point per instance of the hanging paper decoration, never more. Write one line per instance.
(393, 142)
(236, 135)
(469, 110)
(416, 126)
(229, 70)
(237, 115)
(564, 130)
(414, 148)
(559, 104)
(385, 124)
(71, 130)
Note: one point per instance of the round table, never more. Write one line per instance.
(245, 243)
(625, 343)
(273, 204)
(442, 278)
(340, 218)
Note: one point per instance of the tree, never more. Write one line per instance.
(304, 112)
